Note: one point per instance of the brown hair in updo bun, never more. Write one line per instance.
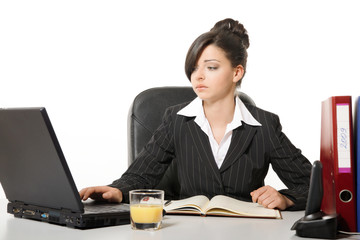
(235, 27)
(230, 36)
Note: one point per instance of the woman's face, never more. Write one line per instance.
(214, 78)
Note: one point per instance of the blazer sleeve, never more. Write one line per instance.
(290, 165)
(151, 163)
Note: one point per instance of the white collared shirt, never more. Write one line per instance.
(241, 113)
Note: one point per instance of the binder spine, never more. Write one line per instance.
(344, 177)
(338, 157)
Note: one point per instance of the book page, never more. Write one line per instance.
(188, 204)
(226, 205)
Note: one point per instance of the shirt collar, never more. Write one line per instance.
(241, 114)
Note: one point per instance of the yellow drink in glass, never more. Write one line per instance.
(146, 209)
(146, 213)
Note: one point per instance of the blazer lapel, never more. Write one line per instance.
(242, 137)
(202, 145)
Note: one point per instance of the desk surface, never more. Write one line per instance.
(174, 227)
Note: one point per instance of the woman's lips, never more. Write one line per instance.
(201, 87)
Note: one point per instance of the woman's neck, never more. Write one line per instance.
(220, 112)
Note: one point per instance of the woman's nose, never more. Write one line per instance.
(199, 74)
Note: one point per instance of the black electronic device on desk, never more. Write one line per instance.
(316, 224)
(37, 180)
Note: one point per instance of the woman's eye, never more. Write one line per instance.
(212, 68)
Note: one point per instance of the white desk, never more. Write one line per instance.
(174, 227)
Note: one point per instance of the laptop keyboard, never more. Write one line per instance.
(106, 207)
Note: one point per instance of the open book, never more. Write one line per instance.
(221, 206)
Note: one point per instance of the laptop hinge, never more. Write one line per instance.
(66, 210)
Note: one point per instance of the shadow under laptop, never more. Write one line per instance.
(22, 228)
(19, 228)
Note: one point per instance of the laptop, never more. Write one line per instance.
(37, 180)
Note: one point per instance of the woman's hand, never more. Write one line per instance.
(101, 193)
(269, 197)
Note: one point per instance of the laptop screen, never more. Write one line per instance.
(33, 169)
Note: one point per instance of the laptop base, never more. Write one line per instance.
(68, 218)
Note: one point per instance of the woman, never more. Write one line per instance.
(221, 145)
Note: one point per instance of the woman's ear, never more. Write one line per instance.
(238, 73)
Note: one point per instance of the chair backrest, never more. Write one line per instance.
(144, 118)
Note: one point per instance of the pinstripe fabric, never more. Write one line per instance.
(252, 150)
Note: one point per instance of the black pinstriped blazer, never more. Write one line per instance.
(252, 150)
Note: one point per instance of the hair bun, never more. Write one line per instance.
(235, 27)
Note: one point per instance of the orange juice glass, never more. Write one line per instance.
(146, 209)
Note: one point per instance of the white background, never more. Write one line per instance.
(86, 60)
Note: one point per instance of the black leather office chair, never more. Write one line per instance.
(145, 116)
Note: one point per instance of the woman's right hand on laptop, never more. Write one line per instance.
(101, 193)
